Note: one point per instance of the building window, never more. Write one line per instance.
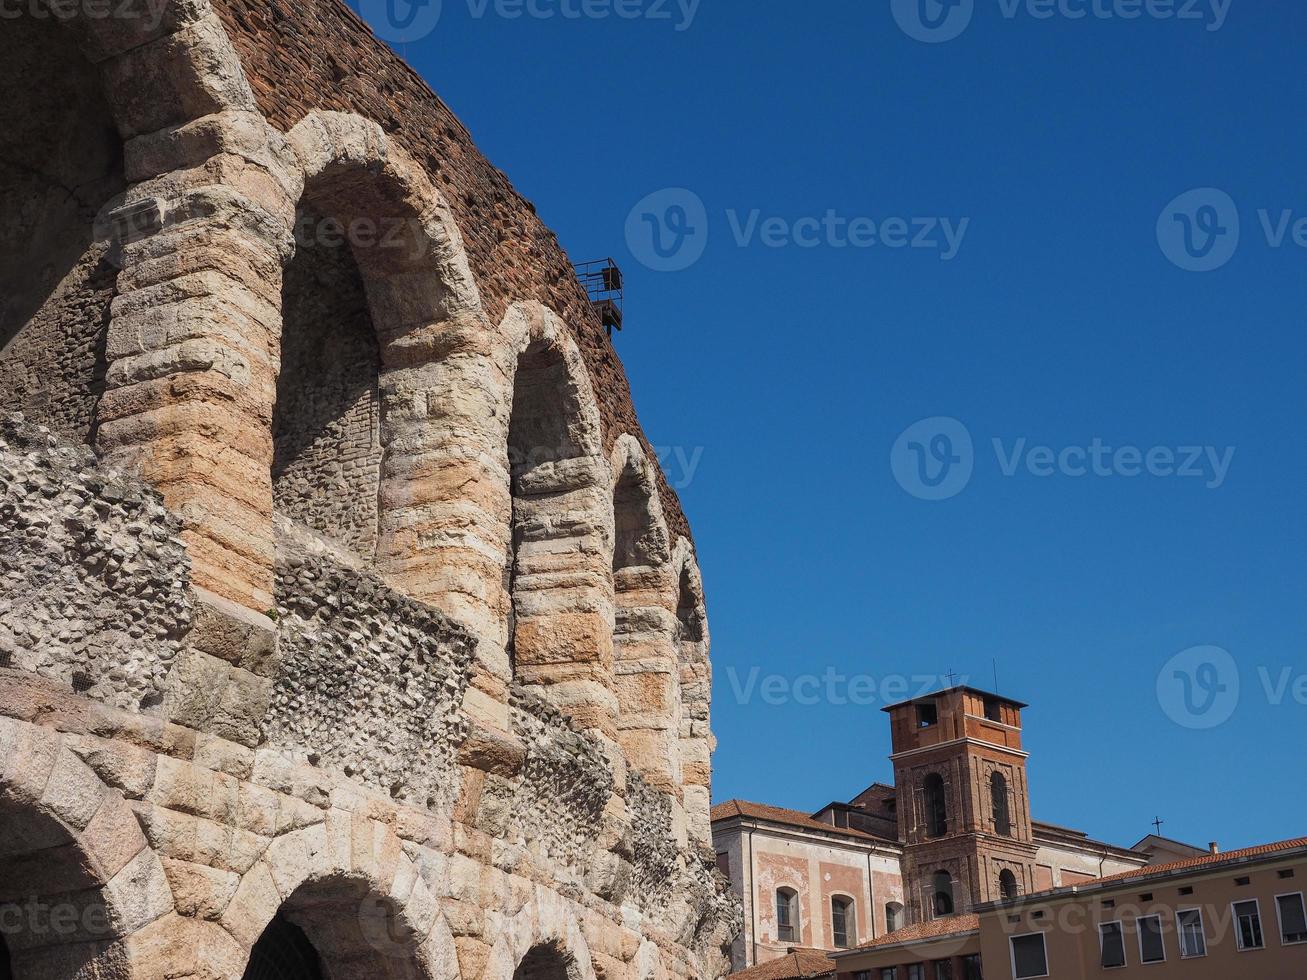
(1007, 884)
(1111, 939)
(998, 795)
(943, 887)
(1248, 923)
(971, 968)
(787, 915)
(936, 805)
(1293, 918)
(993, 710)
(842, 924)
(1193, 940)
(927, 715)
(893, 917)
(943, 969)
(917, 971)
(1151, 947)
(1029, 958)
(889, 973)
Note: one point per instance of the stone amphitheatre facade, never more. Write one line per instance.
(348, 627)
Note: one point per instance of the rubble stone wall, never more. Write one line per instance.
(367, 617)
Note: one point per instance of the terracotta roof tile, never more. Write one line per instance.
(1206, 860)
(794, 818)
(953, 925)
(798, 964)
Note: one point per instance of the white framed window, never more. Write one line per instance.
(1029, 956)
(842, 922)
(1111, 943)
(1248, 925)
(787, 915)
(1292, 917)
(1152, 949)
(1193, 938)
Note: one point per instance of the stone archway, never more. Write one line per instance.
(359, 902)
(692, 647)
(556, 575)
(78, 880)
(61, 162)
(338, 928)
(645, 623)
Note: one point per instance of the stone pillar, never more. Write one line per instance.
(194, 341)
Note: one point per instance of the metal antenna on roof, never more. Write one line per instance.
(996, 691)
(1158, 824)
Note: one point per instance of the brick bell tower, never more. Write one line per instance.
(962, 800)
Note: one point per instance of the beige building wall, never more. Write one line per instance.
(818, 867)
(1070, 925)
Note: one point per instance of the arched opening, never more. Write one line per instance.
(552, 575)
(788, 927)
(936, 805)
(942, 888)
(57, 916)
(844, 933)
(998, 792)
(695, 683)
(1007, 884)
(327, 426)
(547, 961)
(894, 917)
(283, 952)
(689, 609)
(337, 928)
(60, 166)
(648, 669)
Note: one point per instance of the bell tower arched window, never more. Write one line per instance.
(998, 790)
(936, 805)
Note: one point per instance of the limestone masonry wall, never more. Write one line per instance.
(347, 624)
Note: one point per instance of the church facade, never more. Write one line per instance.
(953, 832)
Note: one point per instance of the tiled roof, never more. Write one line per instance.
(776, 814)
(953, 925)
(798, 964)
(1206, 860)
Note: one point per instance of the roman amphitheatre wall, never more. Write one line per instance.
(347, 611)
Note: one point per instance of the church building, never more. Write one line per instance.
(953, 832)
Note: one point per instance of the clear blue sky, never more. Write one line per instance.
(1059, 321)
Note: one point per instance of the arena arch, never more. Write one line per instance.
(556, 576)
(78, 880)
(61, 166)
(645, 623)
(695, 671)
(377, 278)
